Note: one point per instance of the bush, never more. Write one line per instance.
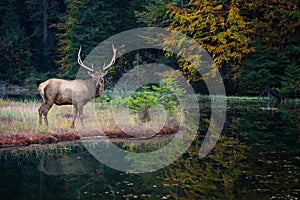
(164, 95)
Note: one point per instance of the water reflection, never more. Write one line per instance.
(257, 157)
(66, 164)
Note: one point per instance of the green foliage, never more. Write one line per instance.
(22, 38)
(291, 82)
(290, 79)
(142, 101)
(257, 70)
(87, 23)
(16, 57)
(118, 102)
(153, 13)
(165, 95)
(42, 36)
(267, 68)
(34, 77)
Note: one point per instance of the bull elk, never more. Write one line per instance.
(73, 92)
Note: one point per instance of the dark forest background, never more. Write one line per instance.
(255, 44)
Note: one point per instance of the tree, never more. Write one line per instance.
(153, 13)
(87, 23)
(166, 95)
(142, 101)
(268, 68)
(275, 22)
(219, 28)
(290, 81)
(16, 57)
(258, 71)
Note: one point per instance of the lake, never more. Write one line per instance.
(257, 157)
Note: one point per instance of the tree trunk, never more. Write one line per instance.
(145, 115)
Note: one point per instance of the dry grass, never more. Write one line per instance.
(22, 117)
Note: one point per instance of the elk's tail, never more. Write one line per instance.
(41, 90)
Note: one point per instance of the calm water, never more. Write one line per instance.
(258, 157)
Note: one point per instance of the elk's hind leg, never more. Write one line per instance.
(47, 108)
(42, 108)
(41, 111)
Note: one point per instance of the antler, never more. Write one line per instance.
(104, 67)
(112, 60)
(81, 63)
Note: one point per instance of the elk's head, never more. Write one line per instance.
(98, 75)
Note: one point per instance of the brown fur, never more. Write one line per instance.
(67, 92)
(73, 92)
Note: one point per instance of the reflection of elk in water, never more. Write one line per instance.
(56, 165)
(73, 92)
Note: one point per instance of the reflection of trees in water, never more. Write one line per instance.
(61, 164)
(274, 156)
(75, 169)
(215, 176)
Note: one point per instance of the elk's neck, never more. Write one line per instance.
(99, 89)
(95, 86)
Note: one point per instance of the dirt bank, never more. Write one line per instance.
(8, 139)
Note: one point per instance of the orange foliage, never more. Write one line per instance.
(275, 22)
(218, 27)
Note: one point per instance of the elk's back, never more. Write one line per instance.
(66, 92)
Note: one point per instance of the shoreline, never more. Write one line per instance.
(8, 140)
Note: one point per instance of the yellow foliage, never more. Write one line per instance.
(221, 29)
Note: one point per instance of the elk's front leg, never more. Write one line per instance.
(80, 110)
(75, 110)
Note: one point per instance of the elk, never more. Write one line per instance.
(73, 92)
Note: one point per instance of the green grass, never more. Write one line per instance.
(22, 117)
(231, 98)
(242, 98)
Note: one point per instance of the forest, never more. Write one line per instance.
(255, 44)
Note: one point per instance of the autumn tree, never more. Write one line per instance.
(220, 28)
(275, 22)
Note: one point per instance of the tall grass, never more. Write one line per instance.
(22, 117)
(16, 116)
